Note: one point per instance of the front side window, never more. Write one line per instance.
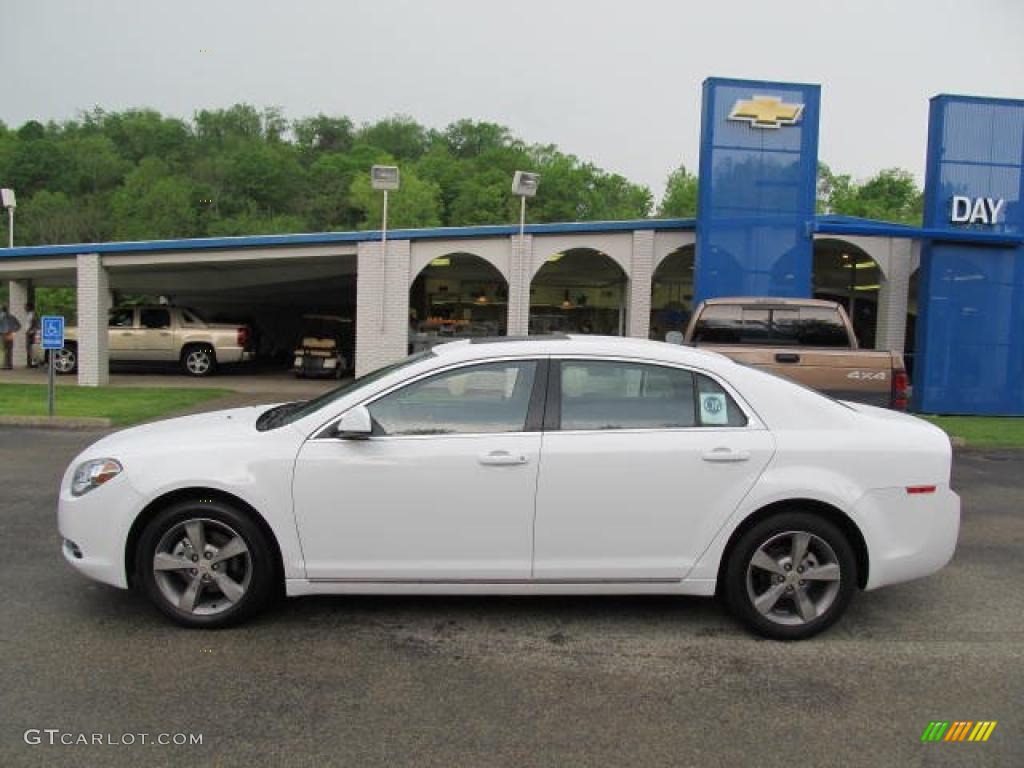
(489, 398)
(598, 395)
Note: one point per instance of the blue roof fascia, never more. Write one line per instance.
(322, 238)
(871, 228)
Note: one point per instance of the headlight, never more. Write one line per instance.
(92, 474)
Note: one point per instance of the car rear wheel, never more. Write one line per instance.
(205, 564)
(65, 361)
(790, 576)
(199, 360)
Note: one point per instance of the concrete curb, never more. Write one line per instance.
(56, 422)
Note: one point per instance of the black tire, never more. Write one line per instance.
(743, 581)
(258, 561)
(65, 360)
(199, 360)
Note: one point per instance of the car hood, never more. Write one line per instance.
(202, 429)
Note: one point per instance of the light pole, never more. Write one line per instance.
(7, 198)
(524, 185)
(385, 178)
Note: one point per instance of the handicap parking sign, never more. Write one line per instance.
(53, 332)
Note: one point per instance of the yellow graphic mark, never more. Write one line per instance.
(766, 112)
(982, 730)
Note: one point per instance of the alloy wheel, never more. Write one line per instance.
(198, 362)
(793, 578)
(202, 566)
(63, 360)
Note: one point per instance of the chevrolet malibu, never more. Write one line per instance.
(553, 465)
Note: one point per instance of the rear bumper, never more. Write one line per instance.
(908, 535)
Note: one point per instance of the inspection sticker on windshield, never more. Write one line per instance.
(712, 408)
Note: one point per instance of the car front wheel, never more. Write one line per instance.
(205, 564)
(790, 576)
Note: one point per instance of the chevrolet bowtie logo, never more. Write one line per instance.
(766, 112)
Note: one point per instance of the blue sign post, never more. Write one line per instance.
(53, 339)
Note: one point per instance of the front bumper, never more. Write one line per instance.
(908, 535)
(94, 529)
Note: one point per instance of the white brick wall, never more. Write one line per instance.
(641, 273)
(18, 296)
(382, 305)
(93, 307)
(520, 276)
(894, 297)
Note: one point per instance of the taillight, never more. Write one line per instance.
(243, 336)
(900, 388)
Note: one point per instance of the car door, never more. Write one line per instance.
(642, 463)
(121, 334)
(443, 490)
(155, 339)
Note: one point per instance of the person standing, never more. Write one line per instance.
(32, 327)
(9, 326)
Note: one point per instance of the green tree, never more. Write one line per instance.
(890, 195)
(680, 199)
(400, 136)
(416, 204)
(155, 204)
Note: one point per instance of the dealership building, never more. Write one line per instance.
(949, 294)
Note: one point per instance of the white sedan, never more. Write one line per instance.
(550, 465)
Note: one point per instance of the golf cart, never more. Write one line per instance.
(320, 351)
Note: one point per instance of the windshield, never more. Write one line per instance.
(291, 412)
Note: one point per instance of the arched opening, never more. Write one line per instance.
(846, 274)
(672, 293)
(456, 296)
(581, 290)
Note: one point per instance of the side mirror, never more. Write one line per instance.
(355, 424)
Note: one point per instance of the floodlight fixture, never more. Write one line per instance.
(524, 184)
(10, 203)
(385, 177)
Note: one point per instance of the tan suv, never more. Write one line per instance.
(807, 340)
(163, 333)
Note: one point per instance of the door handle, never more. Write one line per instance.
(724, 455)
(502, 459)
(787, 357)
(165, 333)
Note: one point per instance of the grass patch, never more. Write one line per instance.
(122, 405)
(983, 431)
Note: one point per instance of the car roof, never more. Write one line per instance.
(571, 344)
(770, 301)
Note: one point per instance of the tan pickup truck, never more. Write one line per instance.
(807, 340)
(163, 333)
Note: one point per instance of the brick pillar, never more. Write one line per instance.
(93, 308)
(641, 273)
(18, 295)
(893, 297)
(382, 305)
(520, 276)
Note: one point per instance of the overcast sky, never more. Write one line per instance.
(617, 83)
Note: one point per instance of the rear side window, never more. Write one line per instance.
(621, 395)
(715, 407)
(771, 326)
(155, 318)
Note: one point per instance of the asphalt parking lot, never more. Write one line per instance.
(509, 681)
